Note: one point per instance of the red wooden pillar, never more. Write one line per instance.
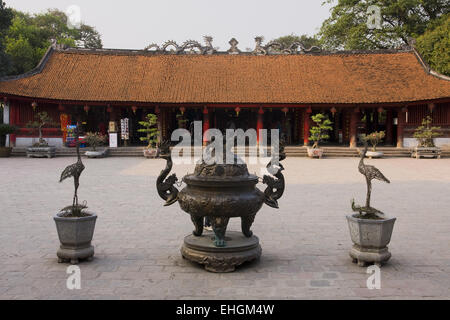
(205, 124)
(389, 126)
(158, 123)
(13, 120)
(306, 125)
(354, 118)
(259, 124)
(401, 126)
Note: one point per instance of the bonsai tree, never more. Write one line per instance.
(320, 131)
(95, 139)
(5, 129)
(374, 138)
(42, 120)
(425, 133)
(150, 129)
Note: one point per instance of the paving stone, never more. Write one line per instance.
(305, 243)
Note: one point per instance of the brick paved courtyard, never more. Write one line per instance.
(305, 243)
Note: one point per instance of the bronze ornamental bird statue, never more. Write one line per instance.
(371, 173)
(74, 170)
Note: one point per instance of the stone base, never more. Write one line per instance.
(41, 152)
(74, 255)
(364, 256)
(238, 249)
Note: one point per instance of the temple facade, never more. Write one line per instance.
(271, 87)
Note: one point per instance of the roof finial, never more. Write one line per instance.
(233, 49)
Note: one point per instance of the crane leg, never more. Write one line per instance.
(369, 192)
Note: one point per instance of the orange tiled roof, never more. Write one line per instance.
(306, 79)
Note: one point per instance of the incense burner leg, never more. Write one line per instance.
(219, 225)
(198, 223)
(246, 224)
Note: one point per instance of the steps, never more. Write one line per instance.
(291, 151)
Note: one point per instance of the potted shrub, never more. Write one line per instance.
(374, 138)
(40, 149)
(5, 129)
(425, 135)
(74, 224)
(319, 133)
(151, 135)
(94, 140)
(370, 229)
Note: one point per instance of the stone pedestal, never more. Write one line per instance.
(74, 255)
(364, 256)
(239, 249)
(41, 152)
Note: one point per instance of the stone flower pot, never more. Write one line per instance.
(41, 152)
(315, 152)
(370, 238)
(5, 152)
(374, 154)
(96, 153)
(151, 153)
(75, 235)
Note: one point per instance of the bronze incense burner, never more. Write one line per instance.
(221, 191)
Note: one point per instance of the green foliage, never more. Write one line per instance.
(426, 133)
(374, 138)
(434, 45)
(95, 139)
(150, 129)
(347, 27)
(42, 119)
(320, 131)
(5, 129)
(307, 41)
(29, 37)
(6, 15)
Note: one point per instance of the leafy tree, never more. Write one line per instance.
(434, 45)
(307, 41)
(150, 129)
(42, 119)
(425, 133)
(6, 15)
(29, 37)
(400, 19)
(320, 131)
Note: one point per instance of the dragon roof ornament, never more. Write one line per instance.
(194, 47)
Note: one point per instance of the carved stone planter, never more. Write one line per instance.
(97, 153)
(374, 154)
(151, 153)
(5, 152)
(75, 235)
(315, 152)
(41, 152)
(370, 238)
(426, 152)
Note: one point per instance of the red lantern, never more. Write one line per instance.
(108, 109)
(86, 108)
(309, 110)
(60, 107)
(34, 105)
(431, 107)
(333, 111)
(285, 110)
(182, 110)
(134, 108)
(237, 109)
(380, 109)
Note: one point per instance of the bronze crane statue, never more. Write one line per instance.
(371, 173)
(74, 170)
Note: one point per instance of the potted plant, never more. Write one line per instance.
(74, 224)
(374, 138)
(5, 129)
(319, 133)
(151, 135)
(40, 149)
(425, 135)
(94, 140)
(370, 229)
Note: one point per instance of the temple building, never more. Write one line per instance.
(271, 87)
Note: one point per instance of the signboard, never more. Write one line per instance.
(124, 129)
(113, 140)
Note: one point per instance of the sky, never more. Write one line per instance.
(134, 24)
